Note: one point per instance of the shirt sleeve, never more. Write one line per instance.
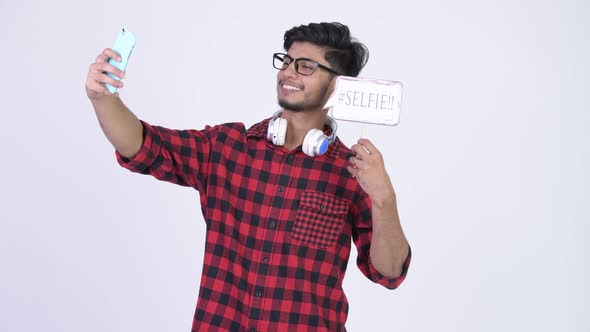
(362, 232)
(176, 156)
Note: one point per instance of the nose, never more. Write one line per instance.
(290, 70)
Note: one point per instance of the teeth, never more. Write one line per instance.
(290, 87)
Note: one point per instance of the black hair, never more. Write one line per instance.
(345, 54)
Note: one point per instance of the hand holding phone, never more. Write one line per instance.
(124, 45)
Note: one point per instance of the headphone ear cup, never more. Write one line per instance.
(315, 143)
(277, 130)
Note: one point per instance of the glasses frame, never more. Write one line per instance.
(296, 64)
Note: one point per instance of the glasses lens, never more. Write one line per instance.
(280, 61)
(306, 67)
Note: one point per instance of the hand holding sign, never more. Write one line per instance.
(366, 100)
(368, 167)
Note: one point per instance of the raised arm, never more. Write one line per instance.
(389, 247)
(119, 124)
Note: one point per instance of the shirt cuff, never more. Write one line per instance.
(390, 283)
(150, 149)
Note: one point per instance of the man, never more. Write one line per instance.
(281, 199)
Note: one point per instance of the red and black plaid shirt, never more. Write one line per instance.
(279, 226)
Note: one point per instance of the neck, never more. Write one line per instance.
(300, 123)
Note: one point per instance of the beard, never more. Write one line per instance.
(312, 103)
(295, 107)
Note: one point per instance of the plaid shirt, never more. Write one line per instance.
(279, 226)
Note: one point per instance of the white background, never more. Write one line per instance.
(490, 160)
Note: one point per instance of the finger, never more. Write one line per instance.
(360, 151)
(368, 145)
(354, 161)
(105, 79)
(100, 80)
(353, 171)
(105, 67)
(108, 54)
(98, 88)
(98, 72)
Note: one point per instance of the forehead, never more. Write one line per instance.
(302, 49)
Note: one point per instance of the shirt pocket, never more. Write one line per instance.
(319, 219)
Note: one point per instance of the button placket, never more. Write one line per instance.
(279, 183)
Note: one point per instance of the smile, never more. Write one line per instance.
(290, 87)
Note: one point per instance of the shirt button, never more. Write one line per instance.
(258, 292)
(290, 157)
(272, 224)
(281, 189)
(323, 207)
(265, 259)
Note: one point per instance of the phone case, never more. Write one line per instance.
(124, 45)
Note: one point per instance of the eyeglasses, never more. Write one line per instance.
(303, 66)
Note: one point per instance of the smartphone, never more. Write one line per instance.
(124, 45)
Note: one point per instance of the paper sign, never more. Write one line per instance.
(366, 100)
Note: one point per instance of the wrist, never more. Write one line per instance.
(384, 200)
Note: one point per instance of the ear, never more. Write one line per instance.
(332, 84)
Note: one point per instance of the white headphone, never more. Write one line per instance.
(315, 143)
